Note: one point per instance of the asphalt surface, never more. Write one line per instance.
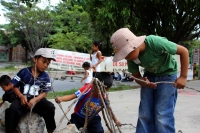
(68, 84)
(125, 106)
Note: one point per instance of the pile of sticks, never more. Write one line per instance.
(106, 109)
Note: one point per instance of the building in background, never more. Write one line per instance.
(15, 54)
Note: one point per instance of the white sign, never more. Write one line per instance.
(68, 60)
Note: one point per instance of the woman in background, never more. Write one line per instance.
(95, 57)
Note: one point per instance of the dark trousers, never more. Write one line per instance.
(95, 74)
(13, 114)
(93, 127)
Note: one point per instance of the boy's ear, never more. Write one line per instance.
(34, 60)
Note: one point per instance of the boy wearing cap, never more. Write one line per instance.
(31, 85)
(155, 54)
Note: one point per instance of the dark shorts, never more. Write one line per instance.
(95, 74)
(93, 127)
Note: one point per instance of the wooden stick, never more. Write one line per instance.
(103, 114)
(110, 109)
(71, 105)
(112, 113)
(161, 82)
(118, 127)
(87, 109)
(100, 95)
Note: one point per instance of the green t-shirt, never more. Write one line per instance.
(158, 57)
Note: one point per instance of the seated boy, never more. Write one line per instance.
(6, 85)
(31, 85)
(78, 117)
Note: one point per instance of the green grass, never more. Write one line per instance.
(123, 87)
(9, 68)
(50, 95)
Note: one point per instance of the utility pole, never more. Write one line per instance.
(199, 63)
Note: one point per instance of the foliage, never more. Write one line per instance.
(29, 3)
(33, 24)
(190, 45)
(4, 39)
(72, 28)
(178, 20)
(107, 16)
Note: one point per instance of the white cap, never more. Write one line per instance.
(44, 52)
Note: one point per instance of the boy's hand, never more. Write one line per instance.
(23, 100)
(58, 100)
(180, 82)
(32, 103)
(118, 123)
(149, 84)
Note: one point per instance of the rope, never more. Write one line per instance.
(75, 101)
(54, 94)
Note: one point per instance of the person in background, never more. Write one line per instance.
(96, 57)
(6, 85)
(119, 77)
(88, 73)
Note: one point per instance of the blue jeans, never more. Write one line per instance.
(156, 110)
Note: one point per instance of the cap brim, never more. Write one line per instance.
(124, 51)
(49, 58)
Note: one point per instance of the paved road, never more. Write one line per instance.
(125, 106)
(67, 84)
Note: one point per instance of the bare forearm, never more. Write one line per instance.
(143, 81)
(184, 59)
(84, 77)
(140, 82)
(68, 97)
(17, 92)
(90, 57)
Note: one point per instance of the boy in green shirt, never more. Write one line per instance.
(155, 54)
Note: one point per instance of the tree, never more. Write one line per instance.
(4, 39)
(34, 22)
(107, 16)
(72, 28)
(178, 20)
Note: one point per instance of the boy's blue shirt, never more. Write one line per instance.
(25, 77)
